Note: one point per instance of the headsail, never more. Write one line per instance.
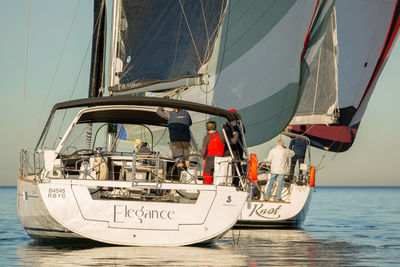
(365, 44)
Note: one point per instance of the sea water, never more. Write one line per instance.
(344, 227)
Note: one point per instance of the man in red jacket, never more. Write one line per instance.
(213, 145)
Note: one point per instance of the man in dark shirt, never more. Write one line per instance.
(299, 146)
(235, 138)
(179, 122)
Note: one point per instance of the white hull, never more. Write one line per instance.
(64, 208)
(288, 214)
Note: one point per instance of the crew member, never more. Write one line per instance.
(179, 122)
(142, 147)
(235, 139)
(278, 157)
(299, 146)
(213, 145)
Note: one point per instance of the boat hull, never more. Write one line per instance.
(63, 209)
(269, 214)
(34, 216)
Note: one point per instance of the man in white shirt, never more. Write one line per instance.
(278, 157)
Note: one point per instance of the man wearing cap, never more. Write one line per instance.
(236, 143)
(142, 147)
(235, 138)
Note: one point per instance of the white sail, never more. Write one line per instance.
(319, 102)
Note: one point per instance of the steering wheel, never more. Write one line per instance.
(195, 163)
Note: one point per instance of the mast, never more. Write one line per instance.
(96, 83)
(96, 80)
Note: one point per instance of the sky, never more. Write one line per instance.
(372, 161)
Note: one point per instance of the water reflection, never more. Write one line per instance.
(255, 248)
(122, 256)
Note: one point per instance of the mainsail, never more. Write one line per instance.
(249, 55)
(157, 41)
(365, 43)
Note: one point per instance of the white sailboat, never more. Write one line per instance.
(113, 195)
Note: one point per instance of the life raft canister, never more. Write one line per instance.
(253, 167)
(312, 176)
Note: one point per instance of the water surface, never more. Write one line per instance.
(344, 227)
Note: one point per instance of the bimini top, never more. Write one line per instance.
(147, 101)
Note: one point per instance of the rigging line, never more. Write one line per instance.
(339, 136)
(190, 31)
(78, 76)
(205, 26)
(225, 41)
(227, 12)
(56, 70)
(204, 18)
(319, 167)
(159, 140)
(334, 156)
(26, 71)
(77, 137)
(177, 42)
(208, 53)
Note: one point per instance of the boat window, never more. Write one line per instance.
(85, 136)
(59, 124)
(96, 136)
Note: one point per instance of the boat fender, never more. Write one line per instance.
(312, 176)
(253, 167)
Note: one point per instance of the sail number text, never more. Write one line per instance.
(56, 193)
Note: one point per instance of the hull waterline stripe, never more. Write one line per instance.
(26, 180)
(46, 230)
